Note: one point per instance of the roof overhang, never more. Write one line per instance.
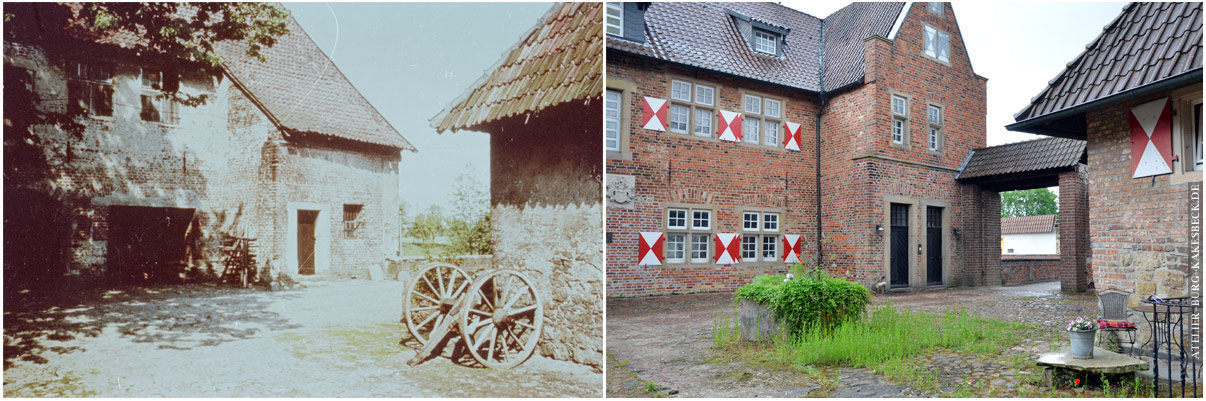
(721, 73)
(1070, 122)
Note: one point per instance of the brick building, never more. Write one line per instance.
(759, 120)
(540, 105)
(1135, 96)
(284, 151)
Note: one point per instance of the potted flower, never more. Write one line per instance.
(1082, 332)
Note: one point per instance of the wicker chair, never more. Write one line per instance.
(1113, 317)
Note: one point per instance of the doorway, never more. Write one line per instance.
(149, 244)
(933, 245)
(899, 263)
(306, 221)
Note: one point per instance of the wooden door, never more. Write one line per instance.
(899, 245)
(306, 219)
(933, 228)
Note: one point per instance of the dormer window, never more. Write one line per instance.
(615, 19)
(766, 42)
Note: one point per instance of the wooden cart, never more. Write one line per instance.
(498, 315)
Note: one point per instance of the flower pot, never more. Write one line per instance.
(1082, 343)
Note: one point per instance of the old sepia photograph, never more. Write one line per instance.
(303, 200)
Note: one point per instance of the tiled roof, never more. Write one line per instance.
(705, 35)
(303, 89)
(1029, 224)
(559, 60)
(845, 31)
(1147, 43)
(1020, 157)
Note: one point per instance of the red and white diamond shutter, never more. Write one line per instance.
(650, 249)
(728, 127)
(653, 112)
(1151, 138)
(791, 248)
(791, 141)
(728, 246)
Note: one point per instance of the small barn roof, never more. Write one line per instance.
(1029, 224)
(1021, 157)
(559, 60)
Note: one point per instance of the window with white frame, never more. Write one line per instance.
(935, 8)
(611, 120)
(1187, 134)
(90, 88)
(688, 235)
(615, 19)
(766, 42)
(759, 236)
(692, 107)
(900, 119)
(937, 44)
(934, 133)
(762, 120)
(158, 105)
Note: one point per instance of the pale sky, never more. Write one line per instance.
(410, 60)
(1018, 46)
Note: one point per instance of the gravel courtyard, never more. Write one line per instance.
(329, 339)
(667, 341)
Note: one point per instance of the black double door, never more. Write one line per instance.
(899, 259)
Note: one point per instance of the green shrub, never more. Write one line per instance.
(814, 301)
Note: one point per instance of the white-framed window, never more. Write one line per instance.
(615, 19)
(760, 236)
(90, 88)
(692, 107)
(1187, 135)
(900, 119)
(611, 120)
(935, 8)
(157, 104)
(762, 119)
(934, 133)
(1197, 136)
(766, 42)
(937, 44)
(688, 235)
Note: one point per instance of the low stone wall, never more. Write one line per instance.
(404, 268)
(1021, 269)
(757, 322)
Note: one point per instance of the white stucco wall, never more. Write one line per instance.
(1030, 244)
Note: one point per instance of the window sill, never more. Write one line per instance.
(898, 145)
(1181, 178)
(936, 60)
(618, 155)
(101, 118)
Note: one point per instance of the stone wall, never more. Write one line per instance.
(1022, 269)
(547, 217)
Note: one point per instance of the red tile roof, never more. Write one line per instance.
(557, 61)
(1029, 224)
(305, 92)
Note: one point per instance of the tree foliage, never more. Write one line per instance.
(469, 224)
(1030, 202)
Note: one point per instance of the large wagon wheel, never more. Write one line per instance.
(431, 295)
(501, 319)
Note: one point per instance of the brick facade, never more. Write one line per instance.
(1022, 269)
(223, 164)
(862, 173)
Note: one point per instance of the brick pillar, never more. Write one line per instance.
(1074, 230)
(980, 241)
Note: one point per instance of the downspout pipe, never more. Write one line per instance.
(820, 111)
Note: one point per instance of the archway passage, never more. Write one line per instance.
(1040, 163)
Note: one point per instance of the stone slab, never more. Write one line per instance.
(1103, 362)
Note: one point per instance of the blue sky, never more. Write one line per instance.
(411, 60)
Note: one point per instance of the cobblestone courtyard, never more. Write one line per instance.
(667, 341)
(331, 339)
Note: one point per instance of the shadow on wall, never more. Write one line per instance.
(553, 157)
(173, 317)
(61, 170)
